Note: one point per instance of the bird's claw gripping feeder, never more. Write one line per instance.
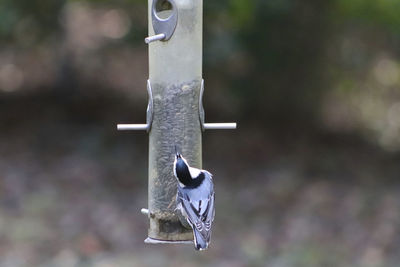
(175, 114)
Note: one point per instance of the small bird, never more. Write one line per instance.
(195, 200)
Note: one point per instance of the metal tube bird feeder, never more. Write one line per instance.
(175, 114)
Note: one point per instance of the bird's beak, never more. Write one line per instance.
(176, 152)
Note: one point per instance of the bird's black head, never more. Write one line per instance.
(181, 165)
(181, 169)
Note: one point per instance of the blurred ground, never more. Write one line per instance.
(310, 177)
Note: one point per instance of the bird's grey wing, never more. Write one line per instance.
(200, 214)
(209, 214)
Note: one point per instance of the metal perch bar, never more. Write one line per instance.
(132, 127)
(220, 126)
(144, 211)
(157, 37)
(207, 126)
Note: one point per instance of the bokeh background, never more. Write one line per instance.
(309, 178)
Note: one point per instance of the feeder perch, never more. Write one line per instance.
(175, 114)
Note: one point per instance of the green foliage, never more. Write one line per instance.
(9, 15)
(385, 13)
(23, 17)
(242, 12)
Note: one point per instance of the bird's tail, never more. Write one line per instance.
(200, 243)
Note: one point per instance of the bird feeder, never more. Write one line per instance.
(175, 114)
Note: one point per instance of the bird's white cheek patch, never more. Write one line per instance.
(194, 172)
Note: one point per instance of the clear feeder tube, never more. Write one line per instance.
(175, 74)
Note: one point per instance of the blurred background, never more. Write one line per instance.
(310, 177)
